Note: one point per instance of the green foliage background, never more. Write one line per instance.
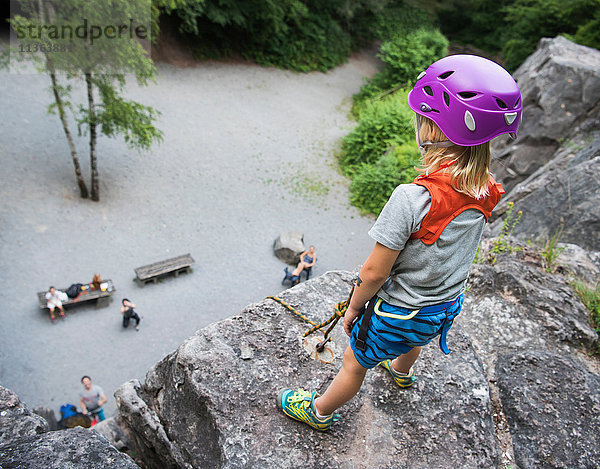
(300, 35)
(405, 55)
(512, 28)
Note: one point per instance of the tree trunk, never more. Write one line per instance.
(92, 119)
(83, 191)
(61, 112)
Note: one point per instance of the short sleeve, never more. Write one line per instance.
(401, 216)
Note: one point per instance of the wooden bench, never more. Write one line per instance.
(102, 297)
(151, 272)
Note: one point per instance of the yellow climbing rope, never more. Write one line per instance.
(290, 308)
(338, 312)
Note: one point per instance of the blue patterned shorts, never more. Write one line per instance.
(394, 331)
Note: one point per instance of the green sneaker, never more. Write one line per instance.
(404, 381)
(300, 405)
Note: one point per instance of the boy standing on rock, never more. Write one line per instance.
(427, 235)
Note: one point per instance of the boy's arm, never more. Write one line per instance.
(372, 276)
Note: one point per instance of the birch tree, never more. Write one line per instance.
(97, 43)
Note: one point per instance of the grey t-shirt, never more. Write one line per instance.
(423, 274)
(91, 397)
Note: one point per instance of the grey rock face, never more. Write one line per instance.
(288, 246)
(560, 87)
(208, 404)
(47, 414)
(576, 263)
(26, 442)
(563, 195)
(527, 326)
(73, 448)
(553, 406)
(16, 421)
(515, 304)
(113, 432)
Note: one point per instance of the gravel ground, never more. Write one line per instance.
(247, 154)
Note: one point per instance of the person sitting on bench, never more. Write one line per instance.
(54, 299)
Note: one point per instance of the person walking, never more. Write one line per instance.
(426, 236)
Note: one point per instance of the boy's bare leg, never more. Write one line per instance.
(403, 363)
(344, 386)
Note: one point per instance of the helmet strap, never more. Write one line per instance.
(423, 145)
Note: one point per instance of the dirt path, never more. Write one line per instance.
(248, 153)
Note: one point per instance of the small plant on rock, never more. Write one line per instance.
(502, 243)
(551, 252)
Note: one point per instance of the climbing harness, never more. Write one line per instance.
(338, 312)
(361, 343)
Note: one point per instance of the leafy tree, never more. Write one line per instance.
(105, 49)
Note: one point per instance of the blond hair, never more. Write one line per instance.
(470, 170)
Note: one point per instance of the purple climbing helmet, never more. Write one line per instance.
(471, 99)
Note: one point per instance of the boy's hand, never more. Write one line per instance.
(349, 318)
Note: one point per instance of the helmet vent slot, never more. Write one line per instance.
(447, 99)
(428, 90)
(517, 103)
(501, 104)
(467, 94)
(445, 75)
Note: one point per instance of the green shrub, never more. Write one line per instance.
(374, 183)
(382, 123)
(399, 18)
(408, 55)
(315, 43)
(404, 56)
